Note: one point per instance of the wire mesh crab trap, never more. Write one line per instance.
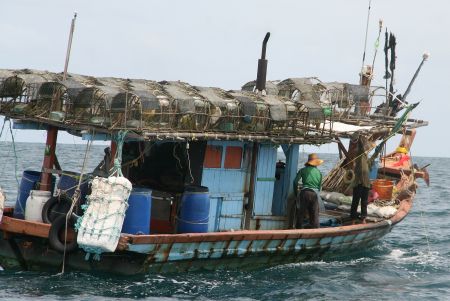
(224, 110)
(125, 110)
(49, 101)
(271, 87)
(255, 114)
(316, 116)
(124, 106)
(286, 116)
(299, 89)
(359, 96)
(335, 95)
(193, 110)
(87, 104)
(12, 91)
(298, 119)
(158, 109)
(306, 94)
(31, 92)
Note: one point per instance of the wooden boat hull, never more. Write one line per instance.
(189, 256)
(189, 252)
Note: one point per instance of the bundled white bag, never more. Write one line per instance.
(100, 226)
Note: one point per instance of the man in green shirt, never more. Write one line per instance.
(307, 198)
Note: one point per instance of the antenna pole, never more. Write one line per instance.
(365, 40)
(69, 45)
(377, 43)
(425, 57)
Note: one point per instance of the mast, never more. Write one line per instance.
(52, 131)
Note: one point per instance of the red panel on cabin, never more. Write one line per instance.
(233, 157)
(213, 156)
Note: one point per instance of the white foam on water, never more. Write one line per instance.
(396, 254)
(428, 258)
(320, 263)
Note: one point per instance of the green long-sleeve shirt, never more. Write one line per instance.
(310, 176)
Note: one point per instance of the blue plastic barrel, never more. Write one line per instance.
(193, 215)
(373, 174)
(137, 216)
(69, 181)
(30, 181)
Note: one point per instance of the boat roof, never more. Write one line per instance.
(290, 111)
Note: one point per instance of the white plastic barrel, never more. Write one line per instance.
(35, 203)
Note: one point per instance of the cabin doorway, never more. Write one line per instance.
(164, 166)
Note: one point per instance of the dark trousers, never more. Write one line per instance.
(360, 193)
(307, 202)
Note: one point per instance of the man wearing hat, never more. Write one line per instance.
(307, 200)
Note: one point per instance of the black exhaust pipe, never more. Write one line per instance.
(262, 66)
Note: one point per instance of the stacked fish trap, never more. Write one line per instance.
(306, 93)
(124, 106)
(28, 92)
(49, 101)
(290, 107)
(224, 111)
(297, 118)
(157, 108)
(193, 110)
(87, 103)
(255, 115)
(12, 91)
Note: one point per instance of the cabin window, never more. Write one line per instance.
(233, 157)
(213, 156)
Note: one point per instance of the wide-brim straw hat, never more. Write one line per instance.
(314, 160)
(401, 150)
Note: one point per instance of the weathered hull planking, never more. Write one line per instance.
(31, 253)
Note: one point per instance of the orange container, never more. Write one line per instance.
(383, 188)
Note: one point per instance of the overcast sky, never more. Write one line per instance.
(217, 43)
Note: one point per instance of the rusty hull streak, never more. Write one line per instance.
(166, 253)
(225, 248)
(151, 256)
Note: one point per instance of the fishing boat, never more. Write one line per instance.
(191, 179)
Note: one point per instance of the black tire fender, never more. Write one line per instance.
(56, 206)
(56, 240)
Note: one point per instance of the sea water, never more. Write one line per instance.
(410, 263)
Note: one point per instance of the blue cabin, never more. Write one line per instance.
(227, 174)
(244, 193)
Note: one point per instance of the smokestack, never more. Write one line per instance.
(262, 66)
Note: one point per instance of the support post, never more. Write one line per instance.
(292, 155)
(49, 158)
(251, 189)
(113, 151)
